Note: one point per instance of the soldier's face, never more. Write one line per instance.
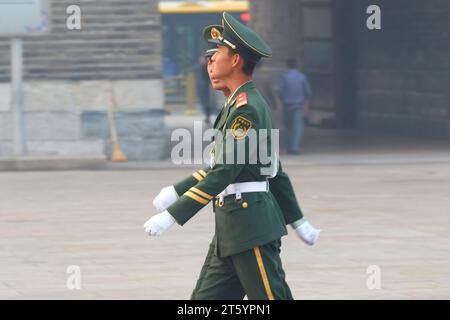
(222, 64)
(216, 83)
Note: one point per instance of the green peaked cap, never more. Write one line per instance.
(208, 33)
(238, 37)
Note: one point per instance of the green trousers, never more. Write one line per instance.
(257, 273)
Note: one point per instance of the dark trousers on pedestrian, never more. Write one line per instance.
(294, 126)
(257, 273)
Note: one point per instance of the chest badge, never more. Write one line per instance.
(240, 127)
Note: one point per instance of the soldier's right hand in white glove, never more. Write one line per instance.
(165, 198)
(307, 233)
(159, 223)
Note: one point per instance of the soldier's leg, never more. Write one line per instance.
(261, 273)
(217, 280)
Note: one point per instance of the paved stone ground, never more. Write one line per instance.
(392, 214)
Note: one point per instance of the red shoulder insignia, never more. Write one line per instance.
(241, 100)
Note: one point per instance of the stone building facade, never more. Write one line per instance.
(393, 80)
(72, 76)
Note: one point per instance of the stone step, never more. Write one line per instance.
(118, 39)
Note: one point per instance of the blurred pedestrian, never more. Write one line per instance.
(294, 91)
(169, 68)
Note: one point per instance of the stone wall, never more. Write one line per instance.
(71, 76)
(403, 70)
(394, 80)
(300, 29)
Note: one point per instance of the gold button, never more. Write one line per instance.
(244, 205)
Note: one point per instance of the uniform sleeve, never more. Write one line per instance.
(185, 184)
(281, 188)
(223, 172)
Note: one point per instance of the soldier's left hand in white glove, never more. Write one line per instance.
(165, 198)
(156, 225)
(307, 233)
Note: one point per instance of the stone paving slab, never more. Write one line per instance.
(393, 216)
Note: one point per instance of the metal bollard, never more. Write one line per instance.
(190, 95)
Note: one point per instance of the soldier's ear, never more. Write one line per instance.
(236, 60)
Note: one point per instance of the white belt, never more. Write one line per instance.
(244, 187)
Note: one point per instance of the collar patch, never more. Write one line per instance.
(241, 100)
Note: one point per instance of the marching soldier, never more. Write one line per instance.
(251, 214)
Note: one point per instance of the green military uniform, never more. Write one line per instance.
(244, 255)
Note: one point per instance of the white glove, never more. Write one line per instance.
(165, 198)
(307, 233)
(159, 223)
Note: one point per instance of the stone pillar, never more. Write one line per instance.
(280, 24)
